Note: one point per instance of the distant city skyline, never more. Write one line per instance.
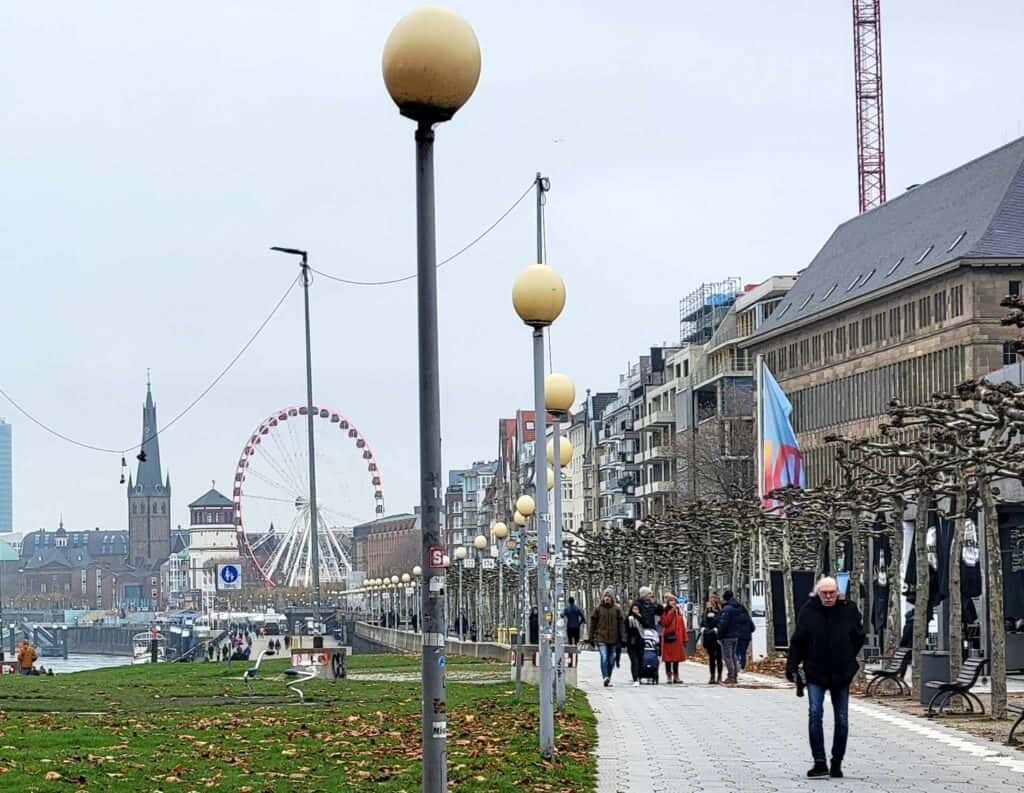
(6, 474)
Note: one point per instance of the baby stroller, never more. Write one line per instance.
(649, 663)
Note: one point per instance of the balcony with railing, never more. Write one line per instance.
(656, 454)
(656, 419)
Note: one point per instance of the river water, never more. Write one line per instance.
(79, 662)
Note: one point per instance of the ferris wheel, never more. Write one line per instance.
(271, 495)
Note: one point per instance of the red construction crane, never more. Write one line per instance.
(867, 54)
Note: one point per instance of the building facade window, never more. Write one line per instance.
(939, 306)
(865, 330)
(924, 312)
(841, 340)
(894, 323)
(909, 317)
(1009, 353)
(956, 301)
(854, 332)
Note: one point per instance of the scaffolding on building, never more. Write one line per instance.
(701, 311)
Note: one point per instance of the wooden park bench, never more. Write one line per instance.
(968, 678)
(1019, 710)
(894, 669)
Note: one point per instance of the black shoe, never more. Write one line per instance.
(819, 770)
(836, 771)
(607, 682)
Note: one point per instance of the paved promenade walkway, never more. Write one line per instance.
(698, 737)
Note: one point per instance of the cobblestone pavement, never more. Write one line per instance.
(698, 737)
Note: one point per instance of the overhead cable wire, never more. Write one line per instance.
(440, 264)
(180, 415)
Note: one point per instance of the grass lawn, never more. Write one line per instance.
(185, 727)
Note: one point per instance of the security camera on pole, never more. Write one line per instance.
(559, 394)
(538, 296)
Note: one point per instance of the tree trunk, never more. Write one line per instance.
(736, 569)
(894, 576)
(996, 618)
(787, 581)
(921, 593)
(956, 619)
(765, 570)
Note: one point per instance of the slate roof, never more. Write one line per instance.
(975, 211)
(98, 544)
(212, 498)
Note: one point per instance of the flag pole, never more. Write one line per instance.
(759, 419)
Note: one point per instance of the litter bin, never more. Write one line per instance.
(934, 666)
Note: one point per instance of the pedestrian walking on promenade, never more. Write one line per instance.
(573, 620)
(828, 637)
(649, 609)
(673, 638)
(608, 632)
(744, 634)
(731, 623)
(709, 638)
(634, 642)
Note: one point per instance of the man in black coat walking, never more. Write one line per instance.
(828, 637)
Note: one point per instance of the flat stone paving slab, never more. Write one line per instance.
(713, 739)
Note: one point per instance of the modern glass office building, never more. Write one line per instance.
(6, 484)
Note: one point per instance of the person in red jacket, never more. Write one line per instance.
(673, 637)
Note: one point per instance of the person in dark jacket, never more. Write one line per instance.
(744, 633)
(710, 639)
(634, 642)
(534, 626)
(731, 625)
(573, 620)
(828, 637)
(650, 610)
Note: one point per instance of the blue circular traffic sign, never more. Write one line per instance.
(228, 573)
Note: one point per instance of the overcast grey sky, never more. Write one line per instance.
(150, 153)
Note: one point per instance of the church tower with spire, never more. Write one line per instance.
(149, 498)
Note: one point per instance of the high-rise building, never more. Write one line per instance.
(6, 479)
(149, 498)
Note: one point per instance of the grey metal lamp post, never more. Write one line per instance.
(538, 296)
(431, 64)
(559, 394)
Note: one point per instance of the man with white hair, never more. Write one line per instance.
(828, 637)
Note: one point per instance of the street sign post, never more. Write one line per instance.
(229, 576)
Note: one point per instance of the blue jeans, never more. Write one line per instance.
(741, 652)
(607, 653)
(816, 711)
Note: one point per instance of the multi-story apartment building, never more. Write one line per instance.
(901, 302)
(469, 502)
(453, 513)
(715, 384)
(618, 444)
(6, 479)
(656, 427)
